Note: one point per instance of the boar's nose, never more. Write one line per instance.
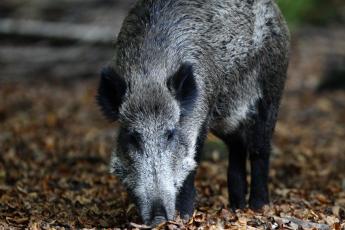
(158, 214)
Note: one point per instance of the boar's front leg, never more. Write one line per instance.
(186, 197)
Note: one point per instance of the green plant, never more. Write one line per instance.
(315, 12)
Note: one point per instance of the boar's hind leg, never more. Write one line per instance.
(237, 183)
(258, 136)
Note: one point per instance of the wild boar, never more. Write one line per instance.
(183, 68)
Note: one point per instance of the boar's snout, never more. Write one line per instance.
(158, 213)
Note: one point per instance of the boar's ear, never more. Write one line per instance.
(111, 90)
(183, 86)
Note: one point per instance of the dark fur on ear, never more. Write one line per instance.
(183, 85)
(111, 90)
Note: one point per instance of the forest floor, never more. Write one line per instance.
(55, 145)
(55, 148)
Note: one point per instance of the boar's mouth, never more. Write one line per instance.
(157, 220)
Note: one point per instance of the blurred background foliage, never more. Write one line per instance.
(313, 12)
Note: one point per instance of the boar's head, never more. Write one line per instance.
(152, 156)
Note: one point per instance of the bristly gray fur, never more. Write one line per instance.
(239, 53)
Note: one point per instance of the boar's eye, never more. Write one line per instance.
(134, 139)
(170, 134)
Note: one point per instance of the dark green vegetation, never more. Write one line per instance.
(312, 12)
